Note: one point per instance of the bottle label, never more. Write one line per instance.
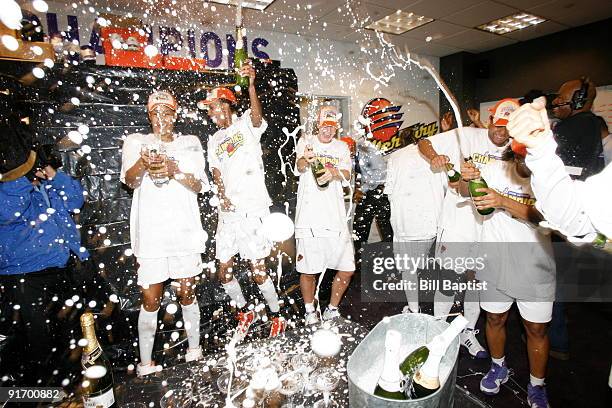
(103, 400)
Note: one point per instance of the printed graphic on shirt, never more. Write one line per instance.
(522, 198)
(327, 160)
(479, 158)
(230, 145)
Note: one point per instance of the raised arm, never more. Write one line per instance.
(256, 111)
(436, 160)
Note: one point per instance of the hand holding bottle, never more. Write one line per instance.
(247, 70)
(469, 171)
(309, 155)
(490, 199)
(439, 162)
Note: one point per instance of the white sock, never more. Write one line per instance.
(332, 308)
(535, 381)
(309, 307)
(499, 361)
(233, 290)
(147, 325)
(191, 319)
(269, 293)
(471, 307)
(442, 304)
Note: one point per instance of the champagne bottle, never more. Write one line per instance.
(426, 380)
(453, 175)
(417, 358)
(98, 379)
(240, 54)
(476, 184)
(317, 171)
(389, 383)
(600, 241)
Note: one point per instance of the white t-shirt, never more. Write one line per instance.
(522, 264)
(460, 222)
(236, 152)
(320, 211)
(415, 193)
(165, 220)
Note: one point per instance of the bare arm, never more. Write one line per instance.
(256, 111)
(436, 160)
(226, 204)
(134, 175)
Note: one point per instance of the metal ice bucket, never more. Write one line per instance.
(365, 364)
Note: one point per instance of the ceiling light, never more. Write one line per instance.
(252, 4)
(399, 22)
(511, 23)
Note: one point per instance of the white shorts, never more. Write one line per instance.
(241, 234)
(495, 301)
(316, 254)
(157, 270)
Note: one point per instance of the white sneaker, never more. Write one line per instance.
(193, 354)
(407, 310)
(142, 371)
(329, 314)
(311, 318)
(468, 340)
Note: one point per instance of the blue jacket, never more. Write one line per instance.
(36, 227)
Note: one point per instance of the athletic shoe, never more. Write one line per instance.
(193, 354)
(311, 318)
(245, 320)
(536, 396)
(470, 342)
(278, 326)
(407, 310)
(330, 314)
(497, 375)
(144, 370)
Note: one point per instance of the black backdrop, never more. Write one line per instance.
(111, 102)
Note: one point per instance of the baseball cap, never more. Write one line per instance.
(502, 110)
(328, 116)
(218, 94)
(162, 98)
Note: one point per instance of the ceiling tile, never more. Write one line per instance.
(479, 14)
(545, 28)
(466, 38)
(436, 50)
(522, 4)
(436, 29)
(574, 13)
(360, 14)
(299, 9)
(491, 44)
(439, 8)
(393, 4)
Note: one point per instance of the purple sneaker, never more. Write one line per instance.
(536, 396)
(491, 382)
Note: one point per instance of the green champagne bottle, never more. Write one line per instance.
(475, 184)
(453, 175)
(600, 241)
(240, 54)
(389, 384)
(317, 171)
(418, 357)
(425, 380)
(98, 382)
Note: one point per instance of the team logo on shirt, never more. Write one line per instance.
(484, 158)
(328, 161)
(230, 145)
(522, 198)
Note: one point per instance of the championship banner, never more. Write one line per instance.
(383, 123)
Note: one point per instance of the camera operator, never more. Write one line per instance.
(37, 236)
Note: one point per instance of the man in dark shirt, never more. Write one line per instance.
(578, 132)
